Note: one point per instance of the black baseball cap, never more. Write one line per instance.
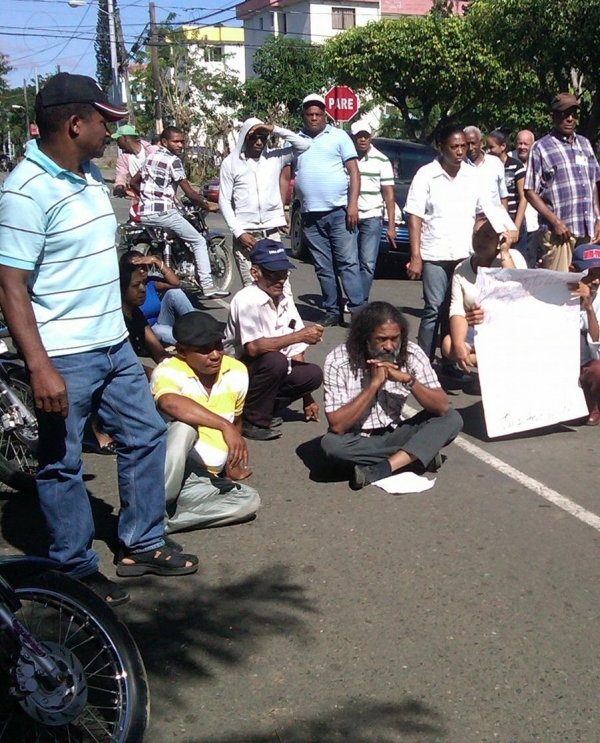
(198, 329)
(66, 88)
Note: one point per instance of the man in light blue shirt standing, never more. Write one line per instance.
(328, 183)
(59, 290)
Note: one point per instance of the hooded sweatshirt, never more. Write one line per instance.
(249, 195)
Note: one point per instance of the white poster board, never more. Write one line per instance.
(528, 349)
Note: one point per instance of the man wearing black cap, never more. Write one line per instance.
(203, 392)
(59, 289)
(328, 184)
(266, 332)
(561, 183)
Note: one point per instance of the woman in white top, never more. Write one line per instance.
(491, 250)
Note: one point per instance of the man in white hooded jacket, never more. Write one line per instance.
(254, 181)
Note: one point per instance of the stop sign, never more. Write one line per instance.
(341, 103)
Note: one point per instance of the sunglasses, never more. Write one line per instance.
(274, 276)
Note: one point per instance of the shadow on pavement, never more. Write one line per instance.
(182, 636)
(24, 527)
(474, 425)
(319, 469)
(309, 307)
(359, 722)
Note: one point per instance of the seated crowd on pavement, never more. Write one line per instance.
(178, 427)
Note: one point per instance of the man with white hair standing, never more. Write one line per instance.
(489, 168)
(529, 241)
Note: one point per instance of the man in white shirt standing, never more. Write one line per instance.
(376, 188)
(253, 186)
(265, 331)
(489, 168)
(529, 242)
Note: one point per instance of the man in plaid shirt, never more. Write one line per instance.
(367, 381)
(157, 184)
(561, 184)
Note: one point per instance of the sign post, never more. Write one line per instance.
(341, 103)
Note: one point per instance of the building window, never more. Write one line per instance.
(213, 54)
(342, 18)
(283, 23)
(261, 23)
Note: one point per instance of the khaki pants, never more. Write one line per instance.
(557, 255)
(241, 254)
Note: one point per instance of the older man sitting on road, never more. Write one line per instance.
(367, 381)
(266, 332)
(202, 391)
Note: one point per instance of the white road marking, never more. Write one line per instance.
(552, 496)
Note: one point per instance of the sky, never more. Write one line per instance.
(43, 34)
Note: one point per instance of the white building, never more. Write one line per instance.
(317, 20)
(219, 48)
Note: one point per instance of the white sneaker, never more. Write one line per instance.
(211, 292)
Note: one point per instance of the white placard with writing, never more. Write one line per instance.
(528, 349)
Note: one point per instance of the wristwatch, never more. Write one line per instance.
(410, 384)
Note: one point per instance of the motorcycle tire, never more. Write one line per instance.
(18, 446)
(221, 262)
(104, 698)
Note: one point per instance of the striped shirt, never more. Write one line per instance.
(342, 385)
(61, 227)
(321, 178)
(161, 173)
(514, 171)
(375, 172)
(565, 174)
(226, 399)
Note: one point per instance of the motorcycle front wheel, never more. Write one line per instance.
(18, 437)
(221, 262)
(104, 694)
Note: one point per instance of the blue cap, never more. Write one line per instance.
(586, 256)
(270, 254)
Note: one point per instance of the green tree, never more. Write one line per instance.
(193, 97)
(556, 41)
(286, 69)
(434, 69)
(102, 46)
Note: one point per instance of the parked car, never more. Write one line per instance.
(406, 158)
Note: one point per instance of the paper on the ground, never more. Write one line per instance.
(528, 349)
(405, 482)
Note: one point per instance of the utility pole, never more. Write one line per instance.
(26, 110)
(117, 95)
(155, 69)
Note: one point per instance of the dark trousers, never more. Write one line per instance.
(423, 436)
(271, 387)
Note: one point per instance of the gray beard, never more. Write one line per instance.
(381, 355)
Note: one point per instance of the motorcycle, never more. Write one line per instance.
(176, 253)
(18, 426)
(69, 668)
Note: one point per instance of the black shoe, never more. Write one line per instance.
(276, 421)
(258, 433)
(435, 463)
(113, 593)
(362, 476)
(330, 320)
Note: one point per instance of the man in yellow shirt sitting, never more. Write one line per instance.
(202, 392)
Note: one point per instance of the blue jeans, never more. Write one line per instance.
(335, 254)
(173, 304)
(437, 282)
(112, 381)
(178, 224)
(369, 237)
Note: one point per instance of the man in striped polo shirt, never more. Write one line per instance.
(376, 189)
(59, 289)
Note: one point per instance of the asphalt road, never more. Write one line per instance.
(467, 613)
